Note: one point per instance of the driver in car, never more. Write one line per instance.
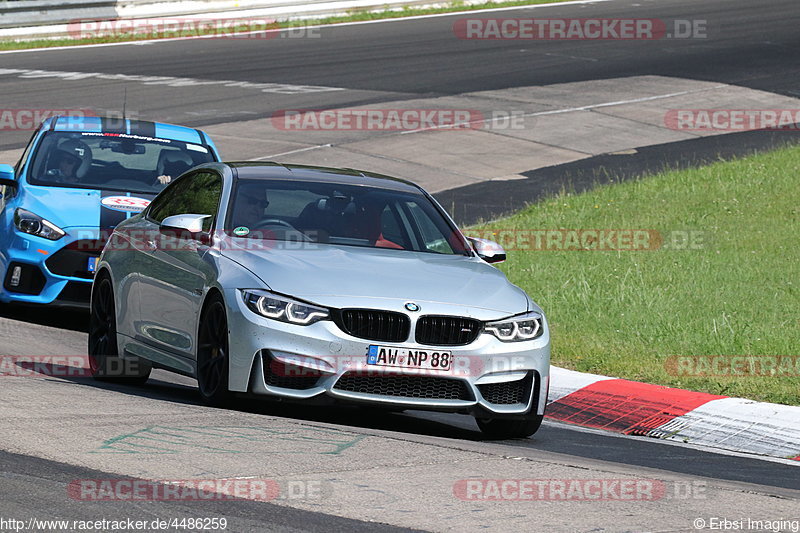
(250, 206)
(70, 157)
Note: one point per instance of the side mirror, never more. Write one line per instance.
(7, 176)
(489, 251)
(185, 227)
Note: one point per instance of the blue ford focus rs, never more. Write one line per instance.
(77, 179)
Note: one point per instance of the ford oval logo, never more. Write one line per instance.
(411, 306)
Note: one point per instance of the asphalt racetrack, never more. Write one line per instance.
(378, 471)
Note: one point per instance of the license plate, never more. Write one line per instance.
(409, 358)
(92, 264)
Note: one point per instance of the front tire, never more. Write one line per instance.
(499, 429)
(105, 362)
(212, 354)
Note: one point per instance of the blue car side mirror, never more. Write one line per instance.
(7, 176)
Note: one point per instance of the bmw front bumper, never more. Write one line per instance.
(488, 378)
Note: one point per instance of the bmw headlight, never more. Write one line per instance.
(283, 308)
(32, 223)
(523, 327)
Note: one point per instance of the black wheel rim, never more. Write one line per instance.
(102, 326)
(212, 354)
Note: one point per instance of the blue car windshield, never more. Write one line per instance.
(114, 161)
(340, 213)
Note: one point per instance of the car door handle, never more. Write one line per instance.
(150, 245)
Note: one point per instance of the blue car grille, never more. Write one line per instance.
(73, 259)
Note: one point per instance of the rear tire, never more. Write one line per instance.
(499, 428)
(212, 353)
(105, 362)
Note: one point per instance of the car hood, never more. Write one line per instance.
(339, 276)
(73, 207)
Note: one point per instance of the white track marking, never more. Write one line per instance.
(573, 109)
(732, 426)
(306, 149)
(564, 382)
(169, 81)
(356, 23)
(739, 425)
(699, 447)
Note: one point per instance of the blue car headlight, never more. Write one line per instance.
(278, 307)
(31, 223)
(524, 327)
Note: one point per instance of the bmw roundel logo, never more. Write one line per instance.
(411, 306)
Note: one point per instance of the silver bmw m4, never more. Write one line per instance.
(318, 284)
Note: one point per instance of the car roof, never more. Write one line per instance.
(279, 171)
(143, 128)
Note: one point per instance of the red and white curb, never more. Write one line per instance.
(634, 408)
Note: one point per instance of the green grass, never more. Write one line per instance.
(356, 15)
(624, 313)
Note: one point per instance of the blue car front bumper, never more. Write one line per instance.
(40, 271)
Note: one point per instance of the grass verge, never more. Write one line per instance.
(734, 292)
(356, 15)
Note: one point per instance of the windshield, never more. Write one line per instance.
(336, 213)
(113, 161)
